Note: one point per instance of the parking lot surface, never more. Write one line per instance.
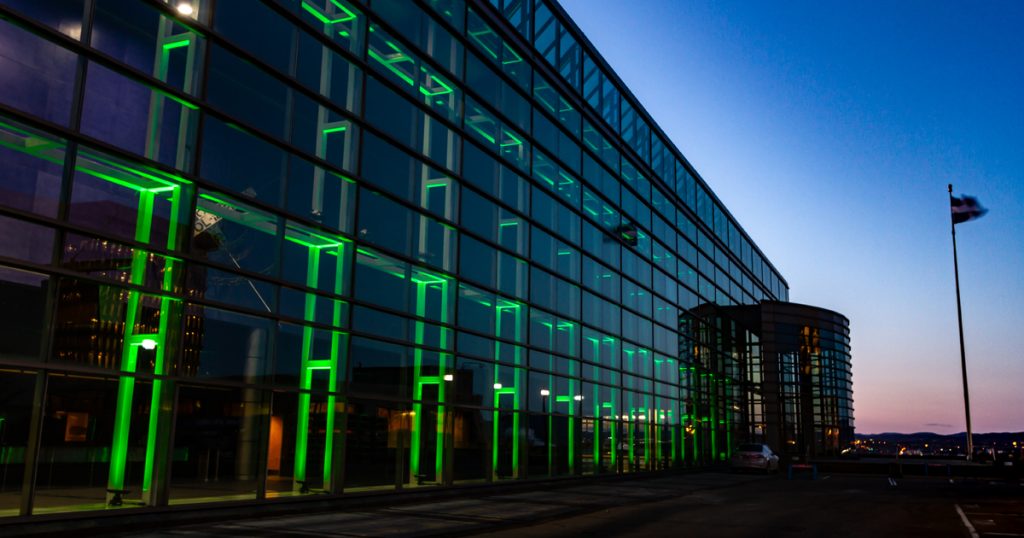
(703, 504)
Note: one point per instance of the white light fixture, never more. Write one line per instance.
(497, 386)
(449, 377)
(185, 8)
(545, 392)
(149, 344)
(578, 397)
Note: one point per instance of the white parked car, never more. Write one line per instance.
(755, 456)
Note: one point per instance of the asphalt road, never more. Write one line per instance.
(834, 506)
(704, 504)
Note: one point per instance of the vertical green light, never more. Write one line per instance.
(502, 306)
(305, 372)
(317, 246)
(129, 355)
(423, 281)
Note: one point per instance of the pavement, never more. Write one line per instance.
(698, 504)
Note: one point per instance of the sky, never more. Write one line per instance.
(830, 130)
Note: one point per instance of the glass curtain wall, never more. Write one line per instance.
(267, 248)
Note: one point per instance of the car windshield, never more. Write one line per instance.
(750, 448)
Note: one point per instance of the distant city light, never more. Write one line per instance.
(149, 344)
(449, 377)
(497, 386)
(545, 392)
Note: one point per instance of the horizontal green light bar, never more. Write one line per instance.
(178, 44)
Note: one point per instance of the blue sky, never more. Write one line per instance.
(830, 130)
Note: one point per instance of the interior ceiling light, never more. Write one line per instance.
(185, 8)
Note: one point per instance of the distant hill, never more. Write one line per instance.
(920, 436)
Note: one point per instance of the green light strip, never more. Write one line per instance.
(346, 14)
(390, 65)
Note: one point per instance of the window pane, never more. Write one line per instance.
(36, 76)
(22, 304)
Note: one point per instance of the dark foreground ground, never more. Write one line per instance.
(706, 504)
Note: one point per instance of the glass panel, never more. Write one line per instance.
(235, 235)
(338, 19)
(395, 171)
(388, 224)
(241, 162)
(410, 126)
(22, 305)
(15, 416)
(376, 445)
(76, 468)
(33, 162)
(302, 446)
(216, 444)
(320, 195)
(246, 92)
(236, 19)
(496, 136)
(26, 241)
(36, 75)
(412, 75)
(64, 16)
(226, 345)
(154, 43)
(134, 117)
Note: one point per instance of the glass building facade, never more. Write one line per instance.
(793, 367)
(264, 248)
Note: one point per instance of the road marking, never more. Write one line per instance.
(892, 482)
(1002, 534)
(967, 523)
(827, 477)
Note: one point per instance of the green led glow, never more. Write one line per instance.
(445, 88)
(150, 184)
(178, 44)
(424, 280)
(317, 244)
(514, 142)
(513, 60)
(476, 36)
(390, 64)
(332, 130)
(346, 15)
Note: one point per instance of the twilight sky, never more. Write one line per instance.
(830, 130)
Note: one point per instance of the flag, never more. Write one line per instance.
(965, 208)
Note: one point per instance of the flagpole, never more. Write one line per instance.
(960, 324)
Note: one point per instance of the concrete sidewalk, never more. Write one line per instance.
(489, 512)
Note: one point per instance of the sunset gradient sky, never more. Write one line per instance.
(830, 130)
